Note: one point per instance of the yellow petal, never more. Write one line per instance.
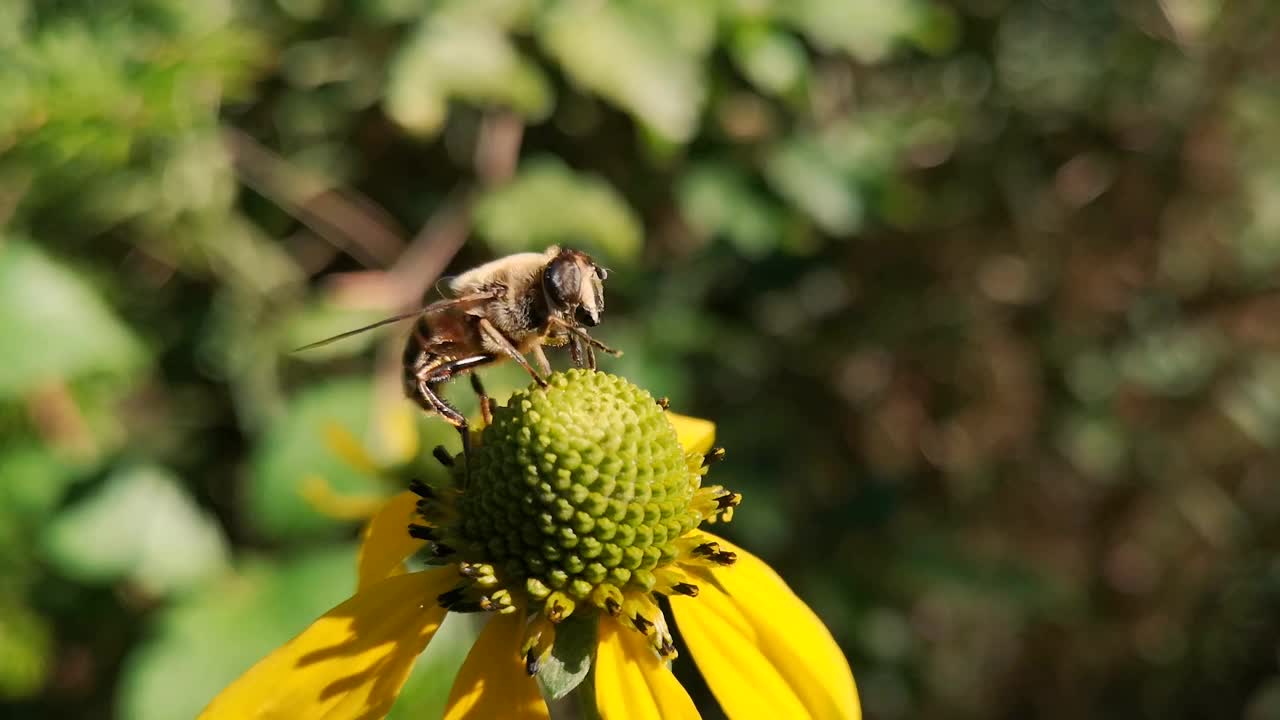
(350, 663)
(386, 542)
(632, 683)
(321, 496)
(349, 448)
(696, 435)
(762, 651)
(492, 682)
(398, 429)
(724, 646)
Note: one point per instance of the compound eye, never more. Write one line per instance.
(602, 273)
(562, 283)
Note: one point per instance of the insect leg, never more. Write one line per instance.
(575, 352)
(581, 353)
(496, 339)
(486, 408)
(435, 374)
(595, 343)
(451, 415)
(541, 358)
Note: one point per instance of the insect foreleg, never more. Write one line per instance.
(541, 358)
(575, 352)
(494, 339)
(579, 332)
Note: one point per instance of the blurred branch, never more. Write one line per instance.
(12, 190)
(498, 148)
(496, 156)
(55, 413)
(355, 224)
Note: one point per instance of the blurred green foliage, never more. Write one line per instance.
(982, 294)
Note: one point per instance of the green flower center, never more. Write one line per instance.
(576, 495)
(576, 487)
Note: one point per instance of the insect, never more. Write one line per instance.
(503, 309)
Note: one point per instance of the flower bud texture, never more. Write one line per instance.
(576, 485)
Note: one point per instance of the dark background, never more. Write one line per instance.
(982, 295)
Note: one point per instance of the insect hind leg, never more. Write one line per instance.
(428, 398)
(429, 377)
(486, 404)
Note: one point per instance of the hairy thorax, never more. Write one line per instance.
(519, 316)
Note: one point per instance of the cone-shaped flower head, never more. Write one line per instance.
(577, 493)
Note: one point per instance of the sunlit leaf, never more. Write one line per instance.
(866, 29)
(1173, 362)
(521, 216)
(293, 451)
(505, 14)
(140, 525)
(26, 653)
(35, 479)
(65, 327)
(717, 200)
(636, 56)
(809, 179)
(452, 57)
(775, 61)
(1252, 400)
(104, 99)
(229, 627)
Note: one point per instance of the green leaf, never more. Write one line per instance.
(570, 658)
(505, 14)
(774, 61)
(293, 452)
(717, 200)
(206, 640)
(866, 29)
(72, 69)
(141, 525)
(809, 178)
(644, 58)
(453, 56)
(35, 479)
(520, 215)
(26, 650)
(1252, 400)
(65, 328)
(1174, 361)
(826, 173)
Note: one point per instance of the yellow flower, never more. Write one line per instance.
(762, 652)
(396, 432)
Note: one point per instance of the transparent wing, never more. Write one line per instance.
(357, 331)
(432, 308)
